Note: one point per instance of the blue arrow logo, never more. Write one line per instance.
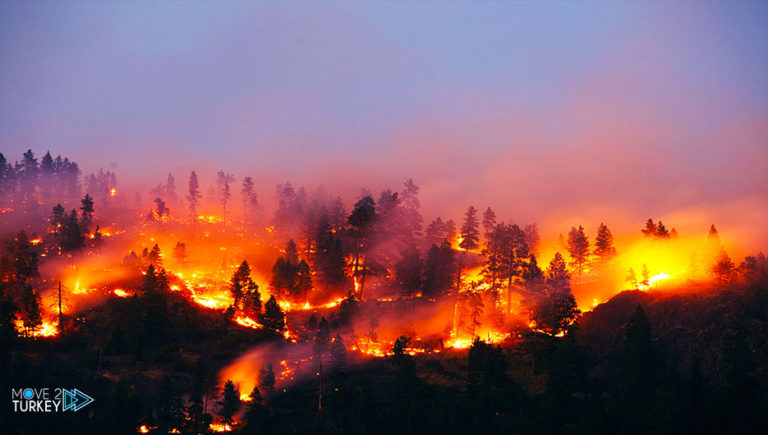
(74, 399)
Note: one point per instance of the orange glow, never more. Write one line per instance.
(220, 427)
(120, 293)
(46, 329)
(248, 322)
(112, 192)
(36, 241)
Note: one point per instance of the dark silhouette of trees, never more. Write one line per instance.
(86, 213)
(194, 196)
(650, 228)
(507, 254)
(408, 271)
(361, 227)
(255, 414)
(489, 223)
(161, 211)
(291, 277)
(604, 249)
(411, 216)
(267, 380)
(723, 269)
(439, 270)
(72, 234)
(557, 312)
(273, 317)
(438, 231)
(30, 311)
(250, 201)
(229, 403)
(329, 264)
(469, 239)
(578, 249)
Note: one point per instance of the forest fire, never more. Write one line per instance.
(121, 293)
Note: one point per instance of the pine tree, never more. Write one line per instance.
(489, 223)
(155, 257)
(72, 236)
(604, 249)
(408, 271)
(31, 317)
(650, 228)
(248, 197)
(532, 237)
(439, 270)
(251, 300)
(646, 277)
(470, 230)
(410, 205)
(255, 413)
(322, 339)
(239, 282)
(170, 189)
(578, 249)
(338, 354)
(724, 268)
(361, 227)
(180, 253)
(469, 239)
(558, 278)
(631, 278)
(661, 231)
(86, 213)
(223, 190)
(329, 263)
(194, 195)
(267, 380)
(273, 317)
(230, 402)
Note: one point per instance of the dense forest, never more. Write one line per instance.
(180, 311)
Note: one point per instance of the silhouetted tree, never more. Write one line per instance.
(267, 380)
(361, 226)
(30, 312)
(86, 214)
(650, 228)
(255, 414)
(578, 249)
(604, 249)
(489, 223)
(439, 270)
(194, 196)
(229, 403)
(273, 317)
(408, 271)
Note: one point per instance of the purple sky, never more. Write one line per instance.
(556, 109)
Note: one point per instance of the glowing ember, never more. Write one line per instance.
(220, 427)
(210, 219)
(143, 429)
(248, 322)
(36, 241)
(112, 192)
(121, 293)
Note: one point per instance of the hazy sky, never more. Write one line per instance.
(532, 108)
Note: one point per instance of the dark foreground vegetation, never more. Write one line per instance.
(643, 362)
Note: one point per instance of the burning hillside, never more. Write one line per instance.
(319, 286)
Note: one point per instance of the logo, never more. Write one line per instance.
(49, 399)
